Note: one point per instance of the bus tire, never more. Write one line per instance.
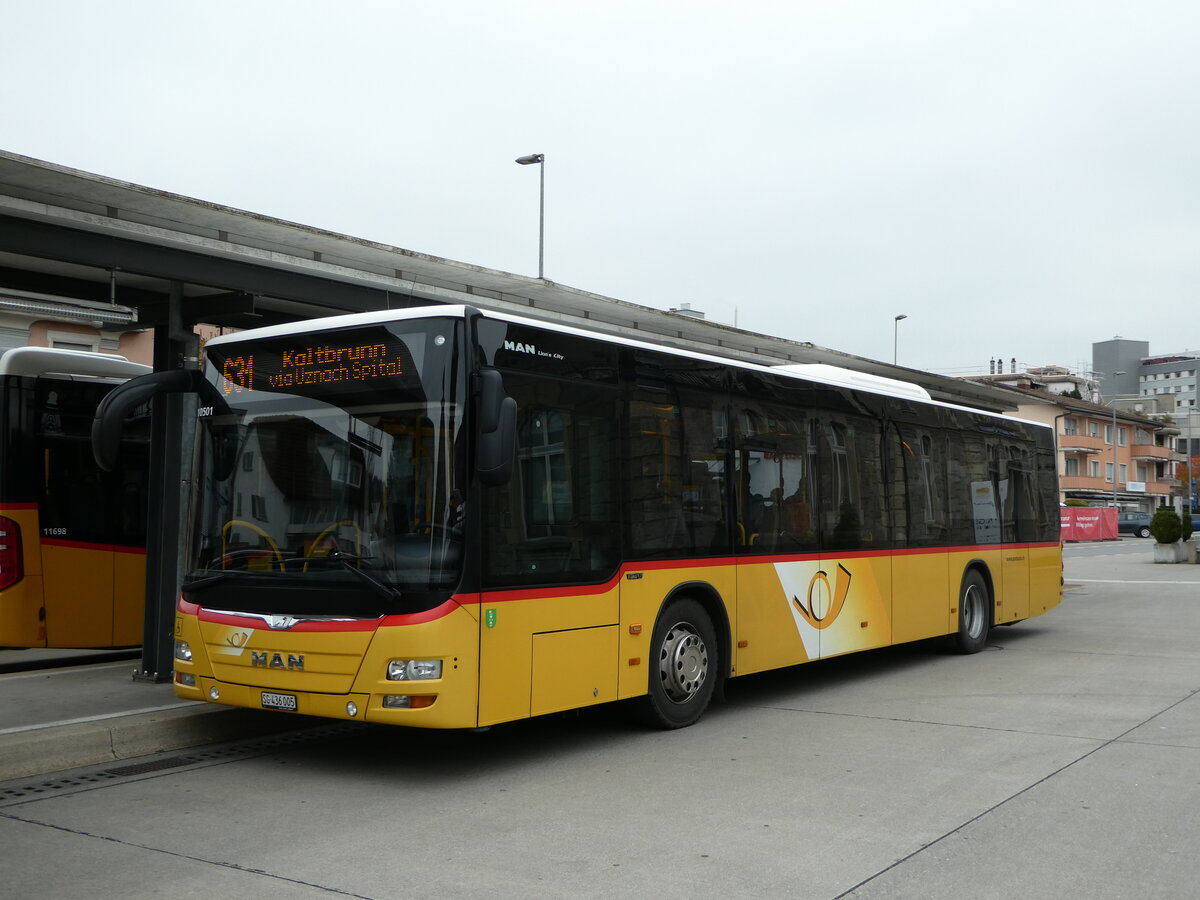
(974, 613)
(684, 666)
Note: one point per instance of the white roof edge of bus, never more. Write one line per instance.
(813, 372)
(32, 361)
(858, 380)
(350, 320)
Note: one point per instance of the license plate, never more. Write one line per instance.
(286, 702)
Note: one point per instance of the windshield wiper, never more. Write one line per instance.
(350, 564)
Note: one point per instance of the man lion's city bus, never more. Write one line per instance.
(448, 518)
(72, 537)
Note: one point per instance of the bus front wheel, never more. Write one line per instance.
(974, 614)
(685, 662)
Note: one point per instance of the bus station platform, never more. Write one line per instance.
(61, 709)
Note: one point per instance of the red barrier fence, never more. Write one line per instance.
(1088, 523)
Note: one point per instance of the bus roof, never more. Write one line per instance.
(35, 361)
(834, 376)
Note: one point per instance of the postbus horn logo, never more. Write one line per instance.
(823, 619)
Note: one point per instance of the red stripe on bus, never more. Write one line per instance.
(540, 593)
(85, 545)
(582, 590)
(20, 506)
(430, 615)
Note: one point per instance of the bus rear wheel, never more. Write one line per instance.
(685, 665)
(974, 614)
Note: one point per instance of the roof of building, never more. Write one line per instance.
(1087, 407)
(35, 191)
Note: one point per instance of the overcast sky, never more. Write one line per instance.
(1020, 179)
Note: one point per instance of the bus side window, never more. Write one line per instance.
(775, 479)
(556, 518)
(850, 469)
(677, 474)
(923, 457)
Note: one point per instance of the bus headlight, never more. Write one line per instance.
(414, 669)
(183, 651)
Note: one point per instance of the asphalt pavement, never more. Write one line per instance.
(1062, 761)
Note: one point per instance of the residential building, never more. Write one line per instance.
(1170, 379)
(1055, 379)
(1105, 452)
(41, 320)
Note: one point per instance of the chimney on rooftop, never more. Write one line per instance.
(685, 309)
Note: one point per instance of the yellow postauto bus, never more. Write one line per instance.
(72, 537)
(447, 518)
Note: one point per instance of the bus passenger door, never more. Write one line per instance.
(550, 550)
(93, 523)
(1017, 502)
(921, 589)
(78, 589)
(849, 600)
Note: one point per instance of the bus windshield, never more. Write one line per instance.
(330, 472)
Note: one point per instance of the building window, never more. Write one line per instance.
(1070, 426)
(1108, 434)
(1072, 465)
(1108, 472)
(1121, 438)
(1093, 429)
(1094, 467)
(70, 340)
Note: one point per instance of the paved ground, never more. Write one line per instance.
(1063, 761)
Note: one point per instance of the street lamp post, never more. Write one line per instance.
(539, 160)
(896, 336)
(1113, 401)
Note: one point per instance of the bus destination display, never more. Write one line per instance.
(272, 366)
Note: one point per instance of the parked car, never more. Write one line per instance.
(1134, 523)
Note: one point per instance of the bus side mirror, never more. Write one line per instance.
(497, 430)
(117, 404)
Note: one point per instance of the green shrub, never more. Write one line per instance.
(1165, 526)
(1185, 522)
(1074, 502)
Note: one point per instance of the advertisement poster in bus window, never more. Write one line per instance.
(985, 513)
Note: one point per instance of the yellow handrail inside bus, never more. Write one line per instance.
(275, 551)
(308, 554)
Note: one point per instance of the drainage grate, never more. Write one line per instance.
(241, 750)
(153, 766)
(49, 787)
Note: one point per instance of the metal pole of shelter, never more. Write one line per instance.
(170, 440)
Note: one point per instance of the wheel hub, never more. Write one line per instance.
(683, 664)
